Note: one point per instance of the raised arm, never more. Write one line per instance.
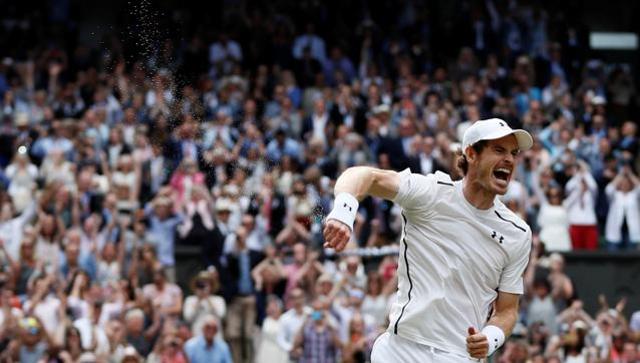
(353, 185)
(363, 181)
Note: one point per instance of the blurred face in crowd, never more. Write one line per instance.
(26, 250)
(299, 253)
(317, 315)
(172, 344)
(352, 265)
(630, 352)
(626, 185)
(31, 336)
(492, 168)
(6, 212)
(273, 308)
(555, 196)
(297, 298)
(209, 330)
(159, 278)
(223, 215)
(134, 326)
(47, 225)
(109, 252)
(72, 252)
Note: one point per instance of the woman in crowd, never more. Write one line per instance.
(623, 221)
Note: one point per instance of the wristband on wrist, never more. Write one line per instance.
(345, 207)
(495, 336)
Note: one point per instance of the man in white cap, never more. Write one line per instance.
(462, 252)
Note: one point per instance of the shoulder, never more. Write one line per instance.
(415, 183)
(191, 343)
(222, 344)
(506, 215)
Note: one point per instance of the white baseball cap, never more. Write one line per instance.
(494, 128)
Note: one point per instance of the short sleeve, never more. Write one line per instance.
(511, 279)
(416, 191)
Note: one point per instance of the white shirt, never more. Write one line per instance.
(454, 258)
(581, 205)
(290, 324)
(623, 206)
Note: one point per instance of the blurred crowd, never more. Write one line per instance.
(229, 141)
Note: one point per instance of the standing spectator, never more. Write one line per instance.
(317, 341)
(553, 219)
(22, 175)
(165, 296)
(32, 343)
(168, 349)
(240, 292)
(224, 54)
(206, 348)
(562, 290)
(580, 204)
(137, 334)
(269, 350)
(312, 41)
(292, 320)
(376, 299)
(126, 183)
(185, 180)
(204, 303)
(541, 307)
(162, 230)
(12, 227)
(623, 220)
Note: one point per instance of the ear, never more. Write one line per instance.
(471, 154)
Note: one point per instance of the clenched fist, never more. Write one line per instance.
(477, 344)
(336, 234)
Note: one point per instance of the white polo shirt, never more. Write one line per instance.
(453, 260)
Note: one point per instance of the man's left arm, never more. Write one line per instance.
(498, 328)
(505, 309)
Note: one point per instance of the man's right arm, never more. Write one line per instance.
(353, 185)
(363, 181)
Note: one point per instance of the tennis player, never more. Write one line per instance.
(462, 252)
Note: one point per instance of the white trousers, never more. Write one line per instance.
(391, 348)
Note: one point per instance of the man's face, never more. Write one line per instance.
(209, 330)
(493, 167)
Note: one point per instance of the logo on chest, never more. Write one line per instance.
(497, 237)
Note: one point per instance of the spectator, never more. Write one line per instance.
(553, 218)
(206, 347)
(623, 220)
(292, 320)
(269, 350)
(168, 349)
(162, 227)
(204, 303)
(317, 341)
(242, 301)
(580, 204)
(165, 296)
(136, 334)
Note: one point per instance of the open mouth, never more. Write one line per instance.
(502, 174)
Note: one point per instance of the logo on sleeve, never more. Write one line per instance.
(495, 234)
(346, 206)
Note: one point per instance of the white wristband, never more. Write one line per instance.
(345, 207)
(495, 336)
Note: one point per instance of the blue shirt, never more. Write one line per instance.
(199, 352)
(163, 236)
(245, 285)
